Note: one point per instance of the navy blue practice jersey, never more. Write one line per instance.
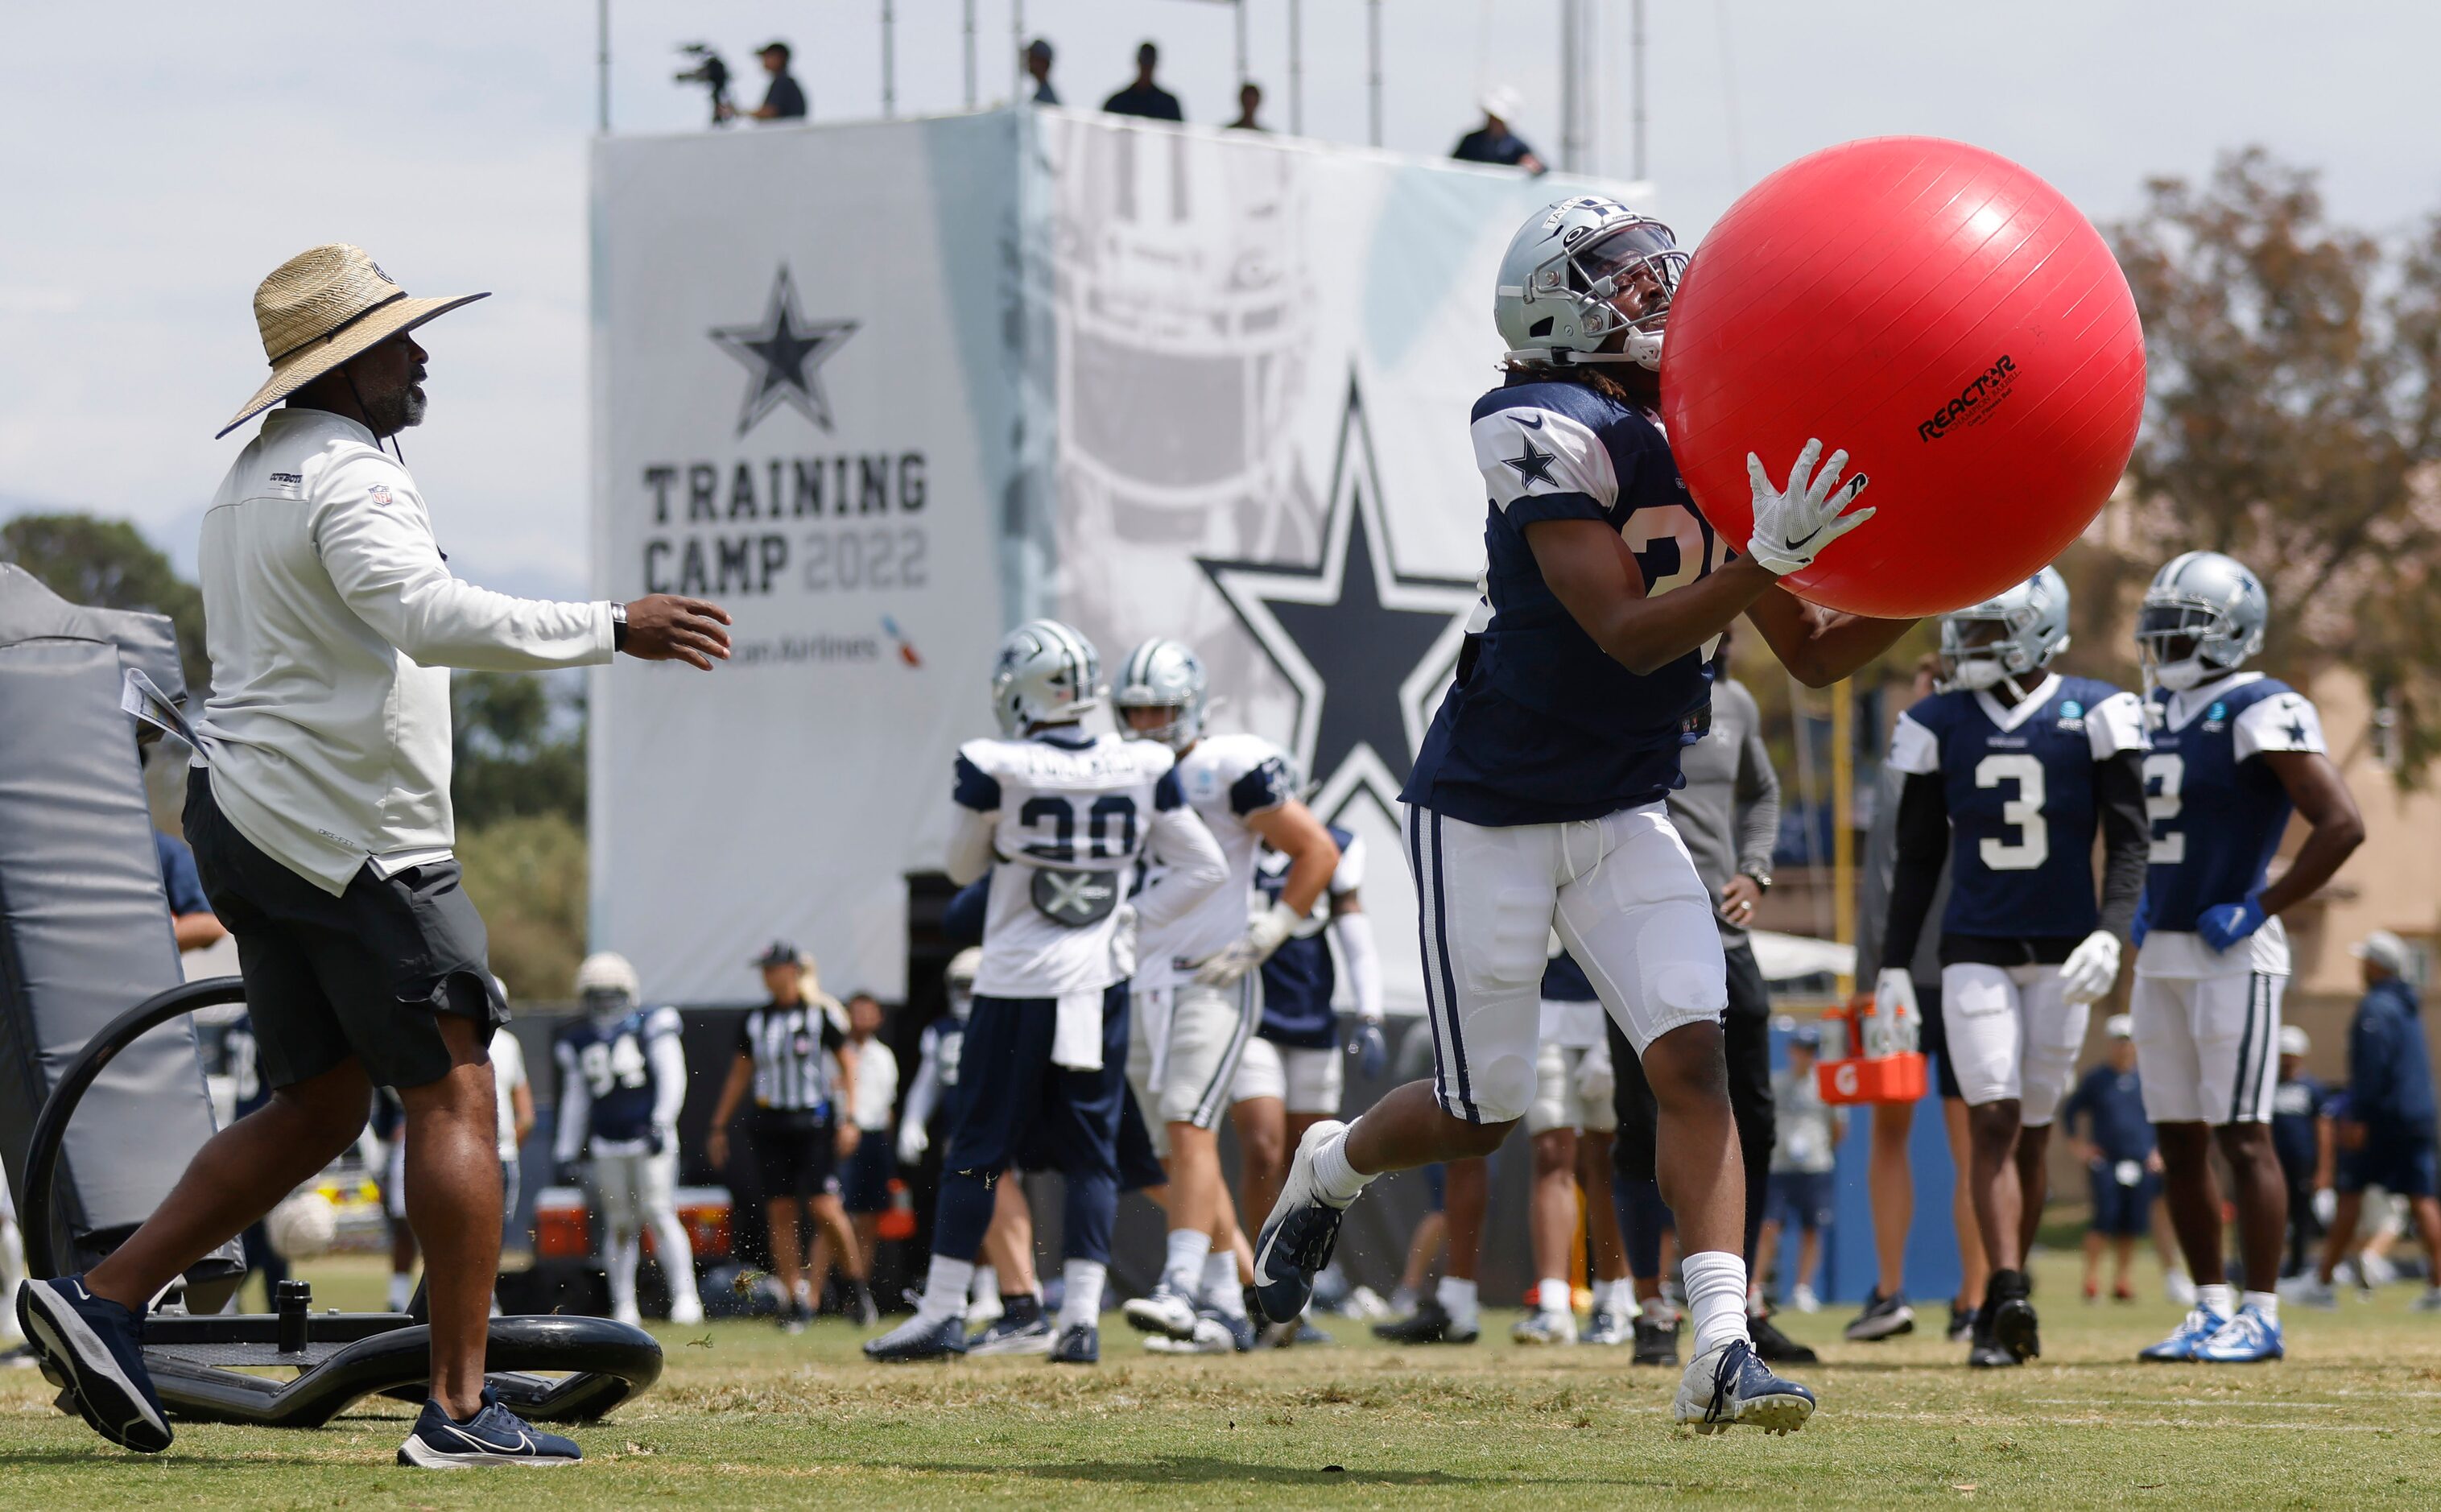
(617, 1070)
(1564, 981)
(2020, 785)
(1548, 728)
(1300, 977)
(2217, 812)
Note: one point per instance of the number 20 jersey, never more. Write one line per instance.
(2019, 784)
(1548, 728)
(1075, 804)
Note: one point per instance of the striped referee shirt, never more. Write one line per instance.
(789, 1044)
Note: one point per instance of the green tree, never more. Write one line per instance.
(518, 747)
(108, 564)
(527, 876)
(2294, 421)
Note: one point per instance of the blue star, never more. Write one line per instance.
(1533, 467)
(785, 355)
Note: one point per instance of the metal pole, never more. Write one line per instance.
(1843, 819)
(1373, 64)
(1017, 52)
(601, 66)
(1241, 41)
(971, 54)
(1571, 104)
(1635, 80)
(1296, 68)
(889, 60)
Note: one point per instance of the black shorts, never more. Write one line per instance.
(360, 975)
(864, 1181)
(797, 1153)
(1932, 1039)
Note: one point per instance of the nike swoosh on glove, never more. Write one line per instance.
(1793, 525)
(2225, 923)
(2090, 969)
(1266, 934)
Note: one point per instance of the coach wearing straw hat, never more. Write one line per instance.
(318, 810)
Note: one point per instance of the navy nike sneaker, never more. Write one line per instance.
(494, 1435)
(95, 1349)
(919, 1337)
(1726, 1386)
(1013, 1334)
(1298, 1237)
(1080, 1345)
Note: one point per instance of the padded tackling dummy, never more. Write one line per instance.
(84, 924)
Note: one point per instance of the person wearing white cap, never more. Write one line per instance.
(318, 808)
(2386, 1132)
(2120, 1160)
(1493, 142)
(2302, 1136)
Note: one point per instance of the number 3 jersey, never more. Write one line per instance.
(609, 1078)
(2020, 787)
(1548, 728)
(1057, 820)
(2217, 814)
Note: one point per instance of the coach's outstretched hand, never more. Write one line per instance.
(665, 627)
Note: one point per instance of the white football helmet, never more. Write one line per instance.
(2012, 634)
(607, 985)
(2203, 617)
(960, 980)
(1046, 674)
(1162, 673)
(1552, 301)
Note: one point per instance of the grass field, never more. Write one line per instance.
(746, 1418)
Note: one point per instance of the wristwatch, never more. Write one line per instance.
(1761, 879)
(617, 628)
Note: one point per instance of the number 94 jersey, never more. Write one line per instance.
(2019, 787)
(1070, 815)
(614, 1063)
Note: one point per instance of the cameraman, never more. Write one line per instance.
(785, 99)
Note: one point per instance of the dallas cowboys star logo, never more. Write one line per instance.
(1368, 647)
(785, 355)
(1533, 467)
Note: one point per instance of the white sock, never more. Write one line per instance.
(1553, 1295)
(1458, 1298)
(1082, 1303)
(2216, 1299)
(945, 1289)
(1183, 1270)
(986, 1285)
(1220, 1289)
(1338, 1181)
(1620, 1296)
(401, 1291)
(1716, 1298)
(2265, 1302)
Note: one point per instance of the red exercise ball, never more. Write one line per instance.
(1948, 318)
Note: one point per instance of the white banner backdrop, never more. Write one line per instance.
(884, 390)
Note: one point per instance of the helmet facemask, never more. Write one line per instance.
(2184, 644)
(608, 1005)
(1178, 732)
(1982, 650)
(1602, 266)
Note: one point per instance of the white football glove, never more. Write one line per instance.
(1122, 947)
(1266, 933)
(2090, 969)
(912, 1142)
(2326, 1205)
(1792, 526)
(1893, 999)
(1595, 1077)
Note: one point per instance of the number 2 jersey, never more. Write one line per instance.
(1226, 779)
(1057, 819)
(2218, 815)
(610, 1079)
(2024, 788)
(1547, 728)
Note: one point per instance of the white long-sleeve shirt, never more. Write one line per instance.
(332, 620)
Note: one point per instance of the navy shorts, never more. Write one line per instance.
(1139, 1167)
(1933, 1040)
(1436, 1186)
(2401, 1161)
(1800, 1199)
(2120, 1211)
(1018, 1109)
(864, 1181)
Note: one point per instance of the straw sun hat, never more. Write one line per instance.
(323, 306)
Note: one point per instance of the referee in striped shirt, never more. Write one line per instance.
(799, 1132)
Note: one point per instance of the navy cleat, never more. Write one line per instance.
(1604, 1327)
(94, 1349)
(2192, 1332)
(494, 1435)
(1080, 1345)
(1430, 1324)
(1010, 1334)
(919, 1337)
(1166, 1310)
(2252, 1337)
(1726, 1386)
(1298, 1237)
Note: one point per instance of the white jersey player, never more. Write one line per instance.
(622, 1080)
(1057, 819)
(1198, 982)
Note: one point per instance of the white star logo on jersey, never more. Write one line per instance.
(1368, 647)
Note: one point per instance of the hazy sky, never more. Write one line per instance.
(154, 165)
